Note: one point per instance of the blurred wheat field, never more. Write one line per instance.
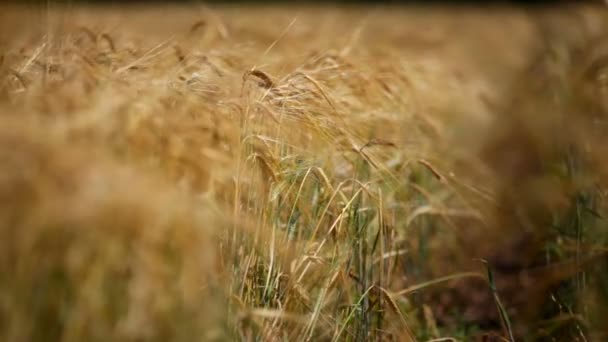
(203, 173)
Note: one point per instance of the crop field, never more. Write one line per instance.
(303, 173)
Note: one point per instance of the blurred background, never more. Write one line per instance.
(117, 2)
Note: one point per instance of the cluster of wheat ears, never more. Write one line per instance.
(309, 173)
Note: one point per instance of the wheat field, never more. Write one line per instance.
(303, 173)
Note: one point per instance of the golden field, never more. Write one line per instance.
(322, 173)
